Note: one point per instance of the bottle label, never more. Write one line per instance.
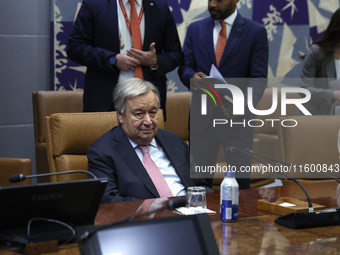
(226, 193)
(228, 211)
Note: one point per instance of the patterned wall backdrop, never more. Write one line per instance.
(291, 26)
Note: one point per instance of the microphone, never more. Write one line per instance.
(300, 220)
(176, 203)
(310, 205)
(22, 177)
(170, 205)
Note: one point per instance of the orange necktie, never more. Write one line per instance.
(221, 42)
(136, 36)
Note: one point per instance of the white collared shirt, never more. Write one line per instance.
(125, 35)
(337, 68)
(164, 165)
(217, 27)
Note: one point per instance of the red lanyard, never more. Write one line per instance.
(126, 17)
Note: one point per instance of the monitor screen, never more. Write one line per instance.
(167, 236)
(74, 202)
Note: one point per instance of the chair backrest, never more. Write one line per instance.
(311, 143)
(265, 103)
(177, 113)
(11, 166)
(68, 136)
(44, 104)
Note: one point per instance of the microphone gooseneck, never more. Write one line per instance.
(22, 177)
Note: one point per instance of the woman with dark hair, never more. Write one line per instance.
(321, 70)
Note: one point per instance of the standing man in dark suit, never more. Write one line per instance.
(244, 55)
(118, 154)
(101, 40)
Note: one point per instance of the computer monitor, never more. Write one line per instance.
(74, 202)
(178, 235)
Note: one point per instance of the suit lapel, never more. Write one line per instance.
(130, 157)
(148, 17)
(171, 154)
(208, 38)
(236, 31)
(112, 19)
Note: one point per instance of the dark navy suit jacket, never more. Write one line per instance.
(95, 37)
(245, 56)
(112, 156)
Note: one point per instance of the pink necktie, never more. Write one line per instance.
(221, 43)
(155, 174)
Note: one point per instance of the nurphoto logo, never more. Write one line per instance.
(232, 97)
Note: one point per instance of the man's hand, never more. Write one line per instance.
(226, 112)
(145, 58)
(126, 63)
(199, 75)
(336, 95)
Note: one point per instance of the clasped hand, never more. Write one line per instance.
(133, 57)
(336, 95)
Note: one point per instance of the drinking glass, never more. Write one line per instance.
(196, 199)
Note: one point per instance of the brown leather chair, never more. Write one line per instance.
(177, 113)
(44, 104)
(68, 135)
(11, 166)
(312, 143)
(266, 137)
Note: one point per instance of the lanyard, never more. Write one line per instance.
(127, 21)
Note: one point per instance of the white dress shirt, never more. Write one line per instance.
(337, 68)
(125, 36)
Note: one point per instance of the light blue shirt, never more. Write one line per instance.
(164, 165)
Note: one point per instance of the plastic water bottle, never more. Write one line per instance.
(229, 198)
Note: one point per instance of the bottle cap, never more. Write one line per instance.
(230, 174)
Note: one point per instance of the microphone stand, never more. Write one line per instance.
(22, 177)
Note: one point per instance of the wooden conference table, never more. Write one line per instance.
(255, 232)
